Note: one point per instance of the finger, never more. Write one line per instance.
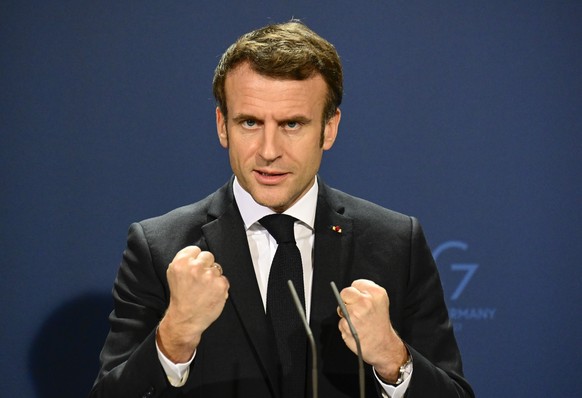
(205, 258)
(187, 252)
(217, 267)
(350, 295)
(366, 286)
(344, 329)
(227, 286)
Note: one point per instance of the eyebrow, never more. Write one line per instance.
(242, 117)
(297, 118)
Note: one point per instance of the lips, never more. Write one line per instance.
(269, 174)
(269, 177)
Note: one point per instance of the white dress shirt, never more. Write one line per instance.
(263, 247)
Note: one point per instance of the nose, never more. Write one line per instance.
(270, 146)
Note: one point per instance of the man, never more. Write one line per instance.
(196, 311)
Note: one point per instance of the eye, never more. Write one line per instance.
(293, 125)
(249, 123)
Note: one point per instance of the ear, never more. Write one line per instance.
(221, 128)
(330, 130)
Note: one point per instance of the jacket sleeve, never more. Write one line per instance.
(427, 330)
(129, 363)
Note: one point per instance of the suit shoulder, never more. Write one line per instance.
(362, 209)
(185, 214)
(184, 222)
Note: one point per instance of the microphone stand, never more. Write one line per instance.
(356, 338)
(301, 312)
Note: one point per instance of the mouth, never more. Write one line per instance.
(269, 177)
(264, 173)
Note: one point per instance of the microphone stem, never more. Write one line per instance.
(310, 338)
(361, 374)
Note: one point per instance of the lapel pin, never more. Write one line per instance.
(336, 228)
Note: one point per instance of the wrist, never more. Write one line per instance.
(404, 371)
(391, 372)
(177, 346)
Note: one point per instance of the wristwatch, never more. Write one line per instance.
(404, 371)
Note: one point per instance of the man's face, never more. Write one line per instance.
(274, 134)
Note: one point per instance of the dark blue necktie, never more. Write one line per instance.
(281, 311)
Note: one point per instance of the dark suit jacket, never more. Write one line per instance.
(235, 357)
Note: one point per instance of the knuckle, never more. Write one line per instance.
(206, 257)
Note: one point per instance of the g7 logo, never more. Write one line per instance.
(469, 269)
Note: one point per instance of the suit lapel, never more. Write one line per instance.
(332, 253)
(225, 237)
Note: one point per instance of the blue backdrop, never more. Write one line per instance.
(467, 115)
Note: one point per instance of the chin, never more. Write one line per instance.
(277, 206)
(272, 203)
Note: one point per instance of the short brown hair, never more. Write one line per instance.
(289, 51)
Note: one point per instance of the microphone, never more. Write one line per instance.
(301, 312)
(356, 338)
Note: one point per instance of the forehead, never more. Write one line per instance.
(248, 90)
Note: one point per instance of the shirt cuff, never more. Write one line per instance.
(177, 373)
(390, 391)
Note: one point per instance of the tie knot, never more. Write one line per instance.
(280, 226)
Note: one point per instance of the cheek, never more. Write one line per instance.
(239, 154)
(312, 158)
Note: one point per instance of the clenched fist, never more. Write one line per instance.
(368, 307)
(198, 293)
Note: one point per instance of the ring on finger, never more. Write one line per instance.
(218, 267)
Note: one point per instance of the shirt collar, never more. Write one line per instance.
(251, 211)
